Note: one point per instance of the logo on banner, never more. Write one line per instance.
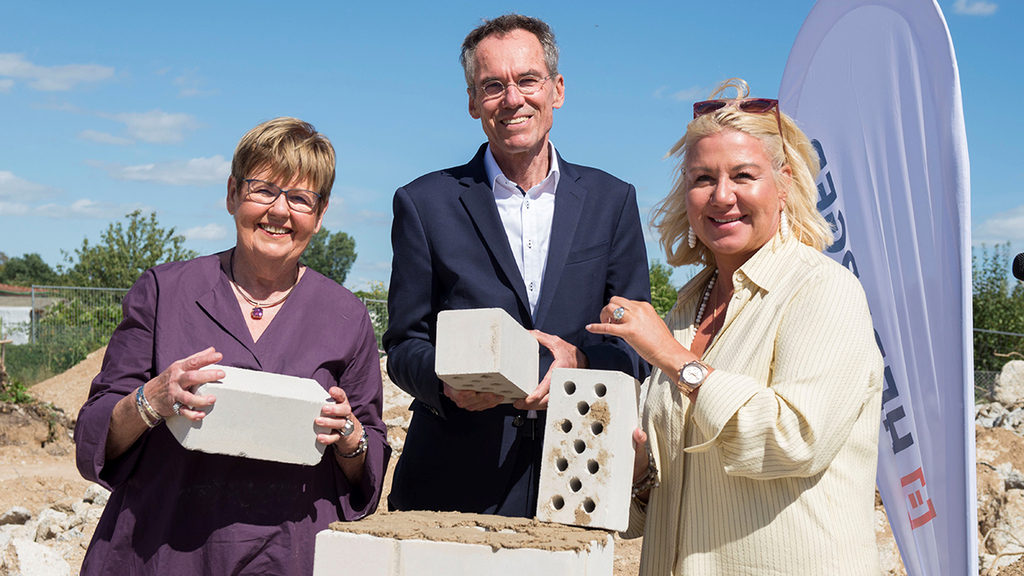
(901, 437)
(918, 505)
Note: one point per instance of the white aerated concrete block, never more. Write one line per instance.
(587, 468)
(257, 415)
(486, 350)
(341, 553)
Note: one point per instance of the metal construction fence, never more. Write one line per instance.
(74, 313)
(378, 310)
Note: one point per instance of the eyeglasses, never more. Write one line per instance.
(748, 105)
(262, 192)
(527, 85)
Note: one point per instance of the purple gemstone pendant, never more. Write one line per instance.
(257, 313)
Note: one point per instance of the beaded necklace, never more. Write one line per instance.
(704, 303)
(257, 308)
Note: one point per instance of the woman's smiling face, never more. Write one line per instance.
(732, 201)
(271, 232)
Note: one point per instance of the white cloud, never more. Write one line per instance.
(191, 84)
(51, 78)
(156, 126)
(208, 232)
(104, 138)
(14, 187)
(85, 208)
(6, 84)
(194, 172)
(1001, 227)
(694, 94)
(975, 7)
(13, 209)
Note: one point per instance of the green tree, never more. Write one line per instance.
(331, 254)
(998, 305)
(28, 270)
(663, 293)
(124, 253)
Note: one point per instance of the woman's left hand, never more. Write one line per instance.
(644, 330)
(335, 416)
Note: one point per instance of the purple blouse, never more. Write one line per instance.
(175, 511)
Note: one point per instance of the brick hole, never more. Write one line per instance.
(566, 426)
(575, 485)
(600, 390)
(588, 505)
(597, 428)
(583, 407)
(570, 388)
(593, 466)
(579, 446)
(558, 502)
(562, 464)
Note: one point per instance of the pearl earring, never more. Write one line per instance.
(784, 226)
(691, 238)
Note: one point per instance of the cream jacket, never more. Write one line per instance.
(772, 470)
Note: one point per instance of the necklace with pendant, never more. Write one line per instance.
(257, 308)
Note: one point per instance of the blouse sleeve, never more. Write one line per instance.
(826, 367)
(127, 364)
(361, 381)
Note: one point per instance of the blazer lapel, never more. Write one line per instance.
(478, 199)
(569, 199)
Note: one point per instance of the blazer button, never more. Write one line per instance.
(517, 421)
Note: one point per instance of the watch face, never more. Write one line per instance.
(692, 374)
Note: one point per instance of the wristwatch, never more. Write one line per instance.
(692, 375)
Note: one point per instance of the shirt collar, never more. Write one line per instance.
(766, 268)
(494, 171)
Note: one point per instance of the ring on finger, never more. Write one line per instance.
(618, 313)
(177, 408)
(348, 428)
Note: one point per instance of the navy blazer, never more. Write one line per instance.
(451, 252)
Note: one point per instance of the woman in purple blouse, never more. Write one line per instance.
(174, 511)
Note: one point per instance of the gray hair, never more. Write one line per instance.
(506, 24)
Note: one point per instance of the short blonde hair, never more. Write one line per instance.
(291, 150)
(808, 225)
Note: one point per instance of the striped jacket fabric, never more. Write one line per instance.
(772, 469)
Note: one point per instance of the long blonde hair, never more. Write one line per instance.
(807, 224)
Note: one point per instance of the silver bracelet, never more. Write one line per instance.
(150, 416)
(360, 448)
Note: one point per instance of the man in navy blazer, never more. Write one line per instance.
(516, 228)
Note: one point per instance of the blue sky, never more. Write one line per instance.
(109, 107)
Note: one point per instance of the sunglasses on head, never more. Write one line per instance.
(748, 105)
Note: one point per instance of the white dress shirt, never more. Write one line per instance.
(527, 217)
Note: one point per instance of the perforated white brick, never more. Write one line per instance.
(486, 350)
(257, 415)
(587, 467)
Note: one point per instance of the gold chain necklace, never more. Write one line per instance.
(257, 308)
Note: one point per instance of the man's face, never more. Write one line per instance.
(514, 123)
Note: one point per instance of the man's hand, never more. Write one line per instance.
(566, 356)
(472, 401)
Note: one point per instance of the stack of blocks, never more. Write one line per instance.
(508, 552)
(586, 471)
(486, 350)
(257, 415)
(587, 467)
